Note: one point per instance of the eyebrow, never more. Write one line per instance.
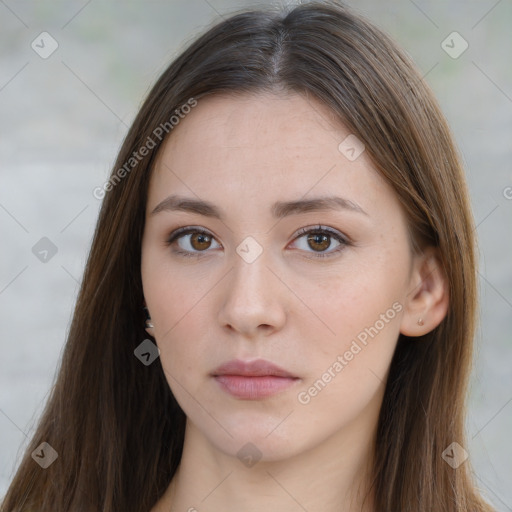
(279, 209)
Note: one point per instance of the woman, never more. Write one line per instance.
(288, 222)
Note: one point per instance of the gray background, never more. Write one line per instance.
(62, 120)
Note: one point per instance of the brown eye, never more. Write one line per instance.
(191, 241)
(319, 242)
(200, 241)
(194, 241)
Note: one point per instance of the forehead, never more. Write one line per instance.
(261, 122)
(254, 147)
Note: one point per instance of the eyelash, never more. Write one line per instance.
(316, 230)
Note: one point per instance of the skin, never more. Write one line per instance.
(301, 312)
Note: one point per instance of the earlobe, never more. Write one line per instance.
(427, 302)
(149, 324)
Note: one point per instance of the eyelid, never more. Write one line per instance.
(187, 230)
(319, 227)
(343, 239)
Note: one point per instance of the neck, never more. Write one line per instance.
(332, 476)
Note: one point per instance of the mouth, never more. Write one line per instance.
(252, 380)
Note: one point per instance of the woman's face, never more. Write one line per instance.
(326, 307)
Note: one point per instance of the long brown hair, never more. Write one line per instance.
(114, 422)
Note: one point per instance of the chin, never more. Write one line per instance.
(260, 437)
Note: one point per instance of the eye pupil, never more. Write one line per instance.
(319, 241)
(318, 238)
(202, 239)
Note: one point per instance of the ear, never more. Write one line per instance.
(149, 330)
(428, 298)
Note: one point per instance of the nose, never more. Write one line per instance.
(255, 300)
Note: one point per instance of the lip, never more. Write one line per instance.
(252, 380)
(255, 368)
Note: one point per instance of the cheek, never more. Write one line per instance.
(339, 314)
(353, 300)
(170, 291)
(178, 303)
(164, 297)
(349, 371)
(361, 310)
